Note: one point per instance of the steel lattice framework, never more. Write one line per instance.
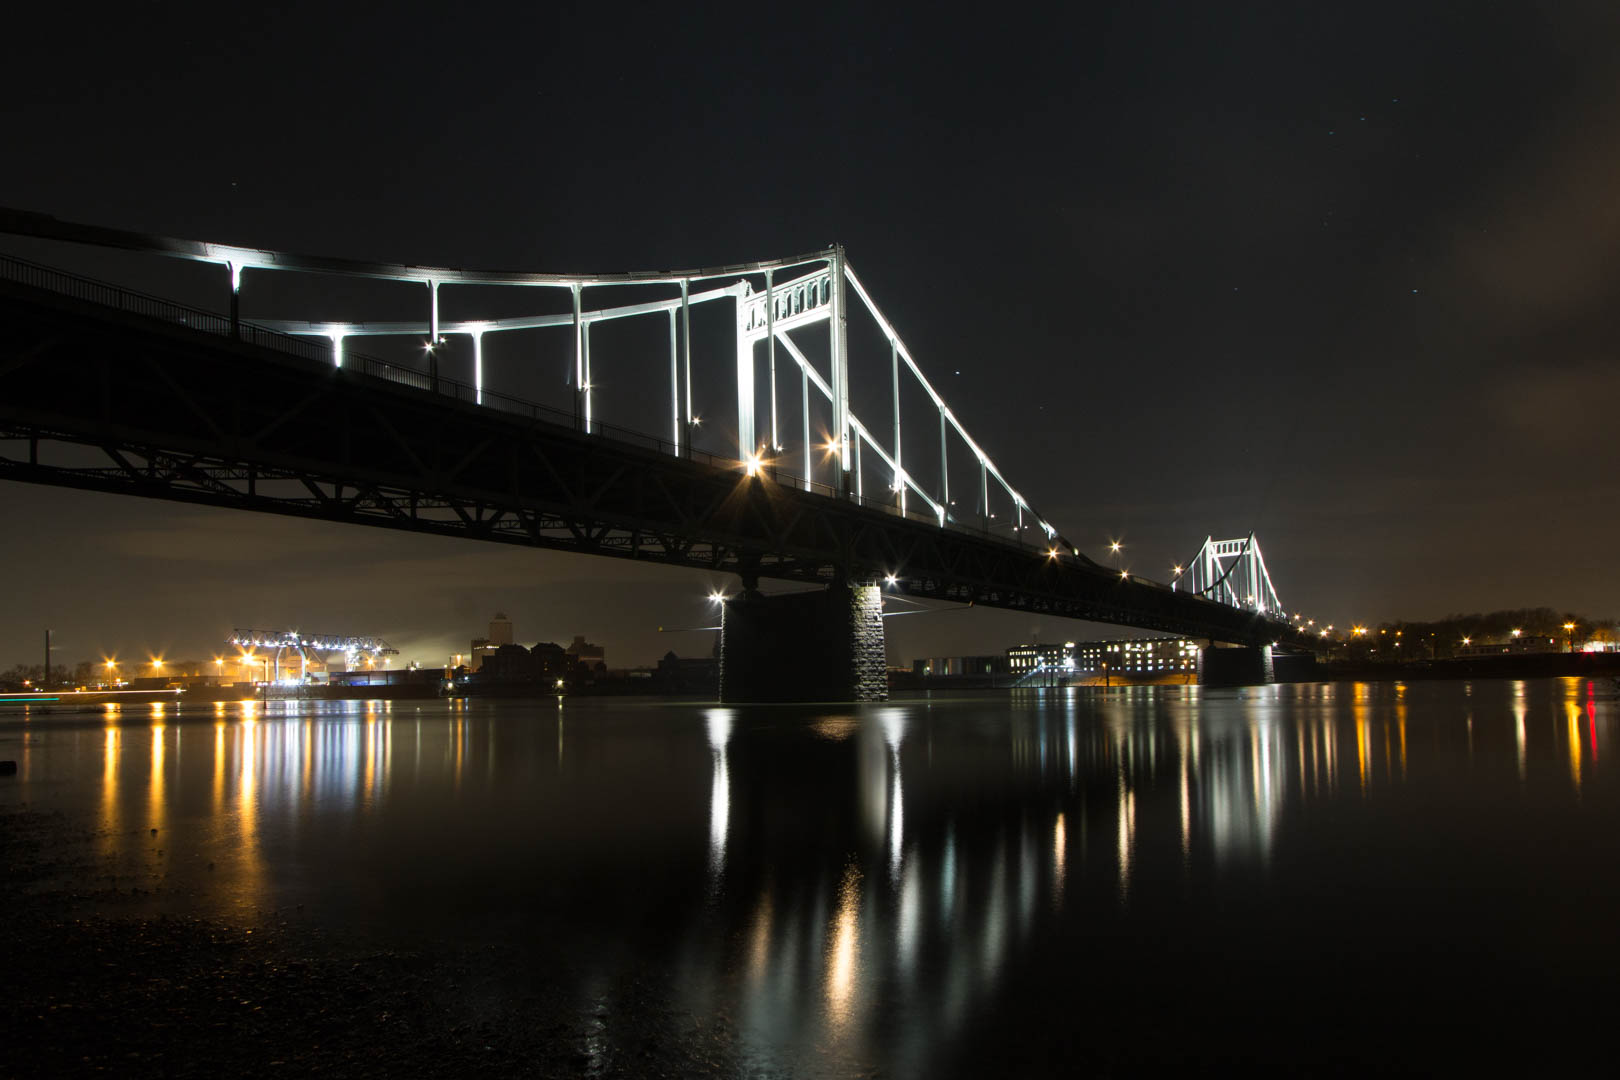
(105, 389)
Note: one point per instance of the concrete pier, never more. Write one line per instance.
(1239, 666)
(822, 645)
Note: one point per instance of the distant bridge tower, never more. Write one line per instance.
(1234, 572)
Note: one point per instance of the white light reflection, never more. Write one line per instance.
(843, 952)
(892, 722)
(1060, 852)
(1127, 834)
(910, 918)
(719, 723)
(993, 929)
(1520, 709)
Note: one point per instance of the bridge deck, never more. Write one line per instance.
(158, 401)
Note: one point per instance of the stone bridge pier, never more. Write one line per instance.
(1243, 665)
(821, 645)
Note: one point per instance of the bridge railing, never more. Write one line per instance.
(155, 307)
(134, 302)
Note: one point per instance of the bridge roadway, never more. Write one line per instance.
(106, 390)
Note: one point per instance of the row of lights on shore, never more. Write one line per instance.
(111, 663)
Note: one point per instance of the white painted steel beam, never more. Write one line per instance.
(812, 376)
(674, 383)
(840, 361)
(747, 445)
(26, 223)
(298, 327)
(770, 353)
(894, 338)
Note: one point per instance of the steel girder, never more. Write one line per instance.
(98, 399)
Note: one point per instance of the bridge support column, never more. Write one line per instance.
(1242, 666)
(825, 645)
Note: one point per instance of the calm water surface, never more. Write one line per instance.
(1419, 874)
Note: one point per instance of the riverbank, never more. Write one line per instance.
(1506, 666)
(104, 975)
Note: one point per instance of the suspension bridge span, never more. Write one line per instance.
(109, 388)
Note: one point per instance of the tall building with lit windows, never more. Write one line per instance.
(500, 633)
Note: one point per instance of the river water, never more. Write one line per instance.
(1422, 874)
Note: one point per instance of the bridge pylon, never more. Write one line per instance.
(1232, 572)
(819, 645)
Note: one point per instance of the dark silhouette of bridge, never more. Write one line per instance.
(108, 389)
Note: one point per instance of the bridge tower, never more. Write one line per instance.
(1233, 572)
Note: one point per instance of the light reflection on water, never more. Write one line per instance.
(857, 886)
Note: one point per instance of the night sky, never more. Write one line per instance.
(1341, 274)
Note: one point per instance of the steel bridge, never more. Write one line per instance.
(106, 388)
